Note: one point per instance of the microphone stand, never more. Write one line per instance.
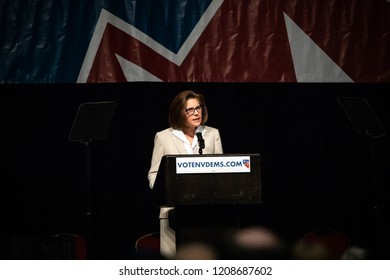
(200, 142)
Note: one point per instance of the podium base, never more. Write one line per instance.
(206, 223)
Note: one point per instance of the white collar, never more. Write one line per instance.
(190, 149)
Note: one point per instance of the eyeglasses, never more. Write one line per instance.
(191, 111)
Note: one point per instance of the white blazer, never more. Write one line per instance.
(166, 143)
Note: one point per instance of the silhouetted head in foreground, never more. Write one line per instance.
(256, 243)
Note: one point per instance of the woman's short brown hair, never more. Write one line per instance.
(177, 115)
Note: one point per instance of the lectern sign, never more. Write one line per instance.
(221, 164)
(209, 179)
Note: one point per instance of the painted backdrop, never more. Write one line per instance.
(194, 41)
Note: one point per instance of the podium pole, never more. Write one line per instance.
(377, 223)
(88, 210)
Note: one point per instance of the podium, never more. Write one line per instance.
(208, 192)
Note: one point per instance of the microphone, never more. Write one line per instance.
(200, 141)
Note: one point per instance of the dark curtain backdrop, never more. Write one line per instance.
(316, 169)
